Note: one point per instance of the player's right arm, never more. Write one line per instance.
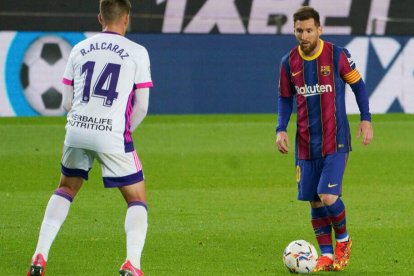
(67, 81)
(285, 107)
(351, 76)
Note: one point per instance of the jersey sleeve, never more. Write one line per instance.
(347, 68)
(285, 99)
(350, 75)
(285, 85)
(143, 72)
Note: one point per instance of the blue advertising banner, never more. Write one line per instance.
(201, 74)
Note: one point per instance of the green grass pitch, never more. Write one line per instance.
(222, 200)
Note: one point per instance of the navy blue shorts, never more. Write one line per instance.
(320, 176)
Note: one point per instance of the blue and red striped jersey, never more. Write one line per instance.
(318, 85)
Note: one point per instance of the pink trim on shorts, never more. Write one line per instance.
(138, 164)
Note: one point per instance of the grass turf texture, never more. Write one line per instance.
(222, 200)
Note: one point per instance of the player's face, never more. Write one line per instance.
(307, 34)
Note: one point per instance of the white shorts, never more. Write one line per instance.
(118, 169)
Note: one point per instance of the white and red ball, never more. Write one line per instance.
(300, 257)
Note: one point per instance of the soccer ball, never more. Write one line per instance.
(41, 74)
(300, 257)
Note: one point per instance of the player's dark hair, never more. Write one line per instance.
(112, 10)
(306, 12)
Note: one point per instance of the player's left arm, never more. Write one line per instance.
(350, 75)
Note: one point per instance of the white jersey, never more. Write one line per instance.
(105, 70)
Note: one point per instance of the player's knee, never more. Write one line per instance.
(328, 199)
(70, 185)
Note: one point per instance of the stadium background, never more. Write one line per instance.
(211, 56)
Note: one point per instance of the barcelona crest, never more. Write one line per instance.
(325, 70)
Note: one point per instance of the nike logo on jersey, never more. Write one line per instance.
(296, 73)
(332, 185)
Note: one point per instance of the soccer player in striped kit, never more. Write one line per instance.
(315, 74)
(107, 81)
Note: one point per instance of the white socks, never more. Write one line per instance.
(136, 230)
(56, 211)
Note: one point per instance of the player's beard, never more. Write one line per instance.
(311, 46)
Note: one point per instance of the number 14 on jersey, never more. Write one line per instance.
(105, 86)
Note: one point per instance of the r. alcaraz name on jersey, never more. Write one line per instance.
(318, 84)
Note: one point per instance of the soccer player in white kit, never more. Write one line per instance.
(107, 81)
